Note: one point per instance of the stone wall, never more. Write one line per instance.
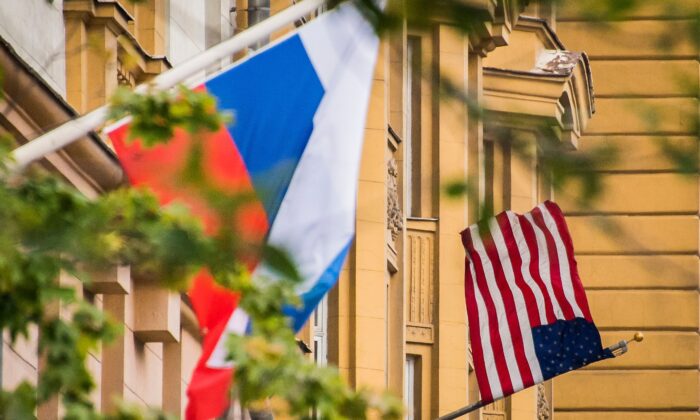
(637, 246)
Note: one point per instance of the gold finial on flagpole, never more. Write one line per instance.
(620, 348)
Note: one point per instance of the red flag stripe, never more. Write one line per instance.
(503, 290)
(577, 285)
(564, 269)
(478, 328)
(497, 350)
(548, 250)
(525, 304)
(551, 305)
(513, 254)
(520, 256)
(160, 169)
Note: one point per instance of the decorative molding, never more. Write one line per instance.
(394, 136)
(543, 412)
(419, 333)
(499, 17)
(420, 280)
(124, 77)
(394, 215)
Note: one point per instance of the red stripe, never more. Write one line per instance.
(496, 344)
(531, 240)
(554, 272)
(475, 333)
(160, 168)
(516, 335)
(579, 292)
(533, 312)
(207, 392)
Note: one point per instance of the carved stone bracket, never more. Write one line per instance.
(542, 403)
(419, 333)
(394, 215)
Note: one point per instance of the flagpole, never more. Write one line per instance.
(81, 126)
(616, 349)
(462, 411)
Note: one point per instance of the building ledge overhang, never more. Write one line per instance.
(118, 20)
(535, 83)
(30, 107)
(493, 22)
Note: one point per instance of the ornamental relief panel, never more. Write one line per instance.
(394, 215)
(420, 281)
(542, 403)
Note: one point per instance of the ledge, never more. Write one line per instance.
(38, 109)
(535, 83)
(495, 20)
(117, 19)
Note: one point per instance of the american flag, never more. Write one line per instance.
(528, 314)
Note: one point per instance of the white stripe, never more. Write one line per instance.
(316, 218)
(485, 334)
(526, 258)
(564, 269)
(544, 266)
(237, 324)
(340, 43)
(504, 328)
(521, 307)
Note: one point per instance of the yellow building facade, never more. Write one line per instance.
(397, 319)
(638, 244)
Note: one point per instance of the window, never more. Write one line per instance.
(496, 175)
(412, 110)
(419, 108)
(320, 332)
(412, 389)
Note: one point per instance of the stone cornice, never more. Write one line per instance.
(495, 21)
(117, 19)
(543, 86)
(33, 107)
(109, 13)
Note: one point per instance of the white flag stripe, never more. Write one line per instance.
(523, 318)
(504, 329)
(544, 266)
(237, 324)
(526, 259)
(486, 348)
(564, 269)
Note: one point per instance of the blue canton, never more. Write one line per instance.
(567, 345)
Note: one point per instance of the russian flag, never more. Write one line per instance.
(300, 107)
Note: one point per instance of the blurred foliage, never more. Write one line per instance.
(49, 230)
(155, 116)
